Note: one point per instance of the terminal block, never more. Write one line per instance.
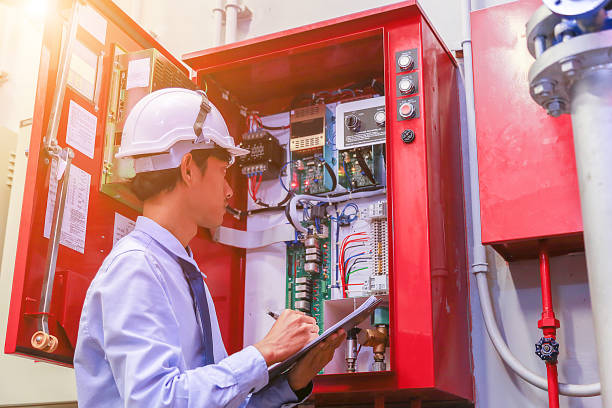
(265, 155)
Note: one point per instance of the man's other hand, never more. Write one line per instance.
(292, 331)
(317, 358)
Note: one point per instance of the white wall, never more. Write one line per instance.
(515, 287)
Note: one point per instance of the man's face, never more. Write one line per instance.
(209, 193)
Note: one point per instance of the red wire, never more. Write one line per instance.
(358, 237)
(259, 183)
(251, 185)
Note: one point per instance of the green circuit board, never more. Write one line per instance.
(351, 175)
(320, 283)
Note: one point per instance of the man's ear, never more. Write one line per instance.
(186, 168)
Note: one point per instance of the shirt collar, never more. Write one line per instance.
(165, 238)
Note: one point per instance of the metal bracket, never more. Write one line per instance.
(62, 79)
(42, 338)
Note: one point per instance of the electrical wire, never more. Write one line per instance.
(291, 209)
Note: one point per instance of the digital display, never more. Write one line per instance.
(307, 127)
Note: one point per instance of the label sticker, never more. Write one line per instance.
(74, 224)
(138, 73)
(82, 74)
(123, 226)
(81, 129)
(93, 23)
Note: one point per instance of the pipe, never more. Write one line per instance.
(549, 324)
(572, 390)
(218, 13)
(232, 8)
(591, 110)
(479, 260)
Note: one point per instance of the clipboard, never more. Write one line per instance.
(348, 322)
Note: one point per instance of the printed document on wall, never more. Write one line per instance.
(93, 23)
(74, 224)
(81, 130)
(123, 226)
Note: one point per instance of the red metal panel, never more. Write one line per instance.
(528, 184)
(448, 252)
(75, 270)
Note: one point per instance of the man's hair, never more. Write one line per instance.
(149, 184)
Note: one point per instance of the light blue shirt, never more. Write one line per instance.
(140, 344)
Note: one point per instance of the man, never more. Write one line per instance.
(148, 334)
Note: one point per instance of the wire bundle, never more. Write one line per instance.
(254, 184)
(359, 238)
(254, 123)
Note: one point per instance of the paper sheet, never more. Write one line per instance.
(51, 199)
(81, 129)
(138, 73)
(347, 323)
(123, 226)
(93, 23)
(74, 225)
(82, 74)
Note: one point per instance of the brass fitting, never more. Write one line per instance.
(378, 339)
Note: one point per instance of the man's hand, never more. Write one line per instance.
(317, 358)
(292, 331)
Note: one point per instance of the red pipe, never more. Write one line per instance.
(549, 324)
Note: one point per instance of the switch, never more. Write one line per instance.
(406, 86)
(405, 62)
(407, 110)
(352, 122)
(380, 117)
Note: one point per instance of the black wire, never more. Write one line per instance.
(280, 205)
(261, 125)
(331, 174)
(364, 166)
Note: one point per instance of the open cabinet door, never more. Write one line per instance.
(96, 63)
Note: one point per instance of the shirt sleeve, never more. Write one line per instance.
(278, 394)
(142, 345)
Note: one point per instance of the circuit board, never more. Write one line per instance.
(306, 290)
(308, 176)
(351, 172)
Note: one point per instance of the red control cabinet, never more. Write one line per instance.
(429, 308)
(527, 169)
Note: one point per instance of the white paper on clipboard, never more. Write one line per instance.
(347, 323)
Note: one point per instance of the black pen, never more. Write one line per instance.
(273, 315)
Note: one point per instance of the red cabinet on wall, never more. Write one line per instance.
(526, 164)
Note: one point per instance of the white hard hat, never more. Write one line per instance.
(169, 123)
